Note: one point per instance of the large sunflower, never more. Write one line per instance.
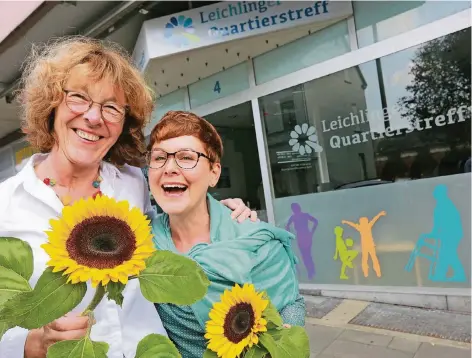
(236, 321)
(99, 240)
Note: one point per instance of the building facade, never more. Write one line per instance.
(348, 123)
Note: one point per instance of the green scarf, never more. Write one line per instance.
(247, 252)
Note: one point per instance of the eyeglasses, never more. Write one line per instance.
(185, 159)
(80, 103)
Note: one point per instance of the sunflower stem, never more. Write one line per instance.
(97, 298)
(91, 322)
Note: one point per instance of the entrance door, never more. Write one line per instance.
(240, 174)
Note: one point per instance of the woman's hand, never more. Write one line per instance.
(240, 210)
(63, 329)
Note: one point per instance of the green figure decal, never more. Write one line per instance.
(344, 251)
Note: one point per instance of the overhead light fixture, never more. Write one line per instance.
(144, 11)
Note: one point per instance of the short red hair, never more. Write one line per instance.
(180, 123)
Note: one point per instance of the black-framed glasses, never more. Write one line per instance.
(185, 158)
(80, 103)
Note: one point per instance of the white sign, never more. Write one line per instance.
(226, 21)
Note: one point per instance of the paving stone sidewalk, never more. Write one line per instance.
(335, 342)
(333, 335)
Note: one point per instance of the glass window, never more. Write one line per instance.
(240, 166)
(173, 101)
(379, 20)
(315, 48)
(219, 85)
(371, 168)
(404, 116)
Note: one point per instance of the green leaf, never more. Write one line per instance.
(16, 255)
(270, 344)
(287, 342)
(11, 284)
(156, 346)
(171, 278)
(84, 348)
(272, 316)
(294, 342)
(115, 290)
(51, 298)
(209, 354)
(16, 268)
(256, 352)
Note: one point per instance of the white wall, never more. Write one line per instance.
(13, 13)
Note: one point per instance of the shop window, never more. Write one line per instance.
(371, 168)
(379, 20)
(320, 46)
(402, 117)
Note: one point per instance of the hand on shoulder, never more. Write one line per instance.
(240, 211)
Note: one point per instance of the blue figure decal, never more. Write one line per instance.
(301, 223)
(443, 241)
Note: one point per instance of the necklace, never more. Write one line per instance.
(67, 199)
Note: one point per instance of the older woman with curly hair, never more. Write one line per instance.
(84, 108)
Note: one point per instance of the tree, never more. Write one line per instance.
(441, 80)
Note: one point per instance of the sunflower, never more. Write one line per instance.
(99, 240)
(236, 321)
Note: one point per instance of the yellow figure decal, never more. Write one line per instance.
(367, 242)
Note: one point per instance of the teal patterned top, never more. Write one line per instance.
(249, 252)
(188, 335)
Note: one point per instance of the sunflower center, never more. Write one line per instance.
(104, 243)
(239, 322)
(101, 242)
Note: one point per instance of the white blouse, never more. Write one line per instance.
(27, 205)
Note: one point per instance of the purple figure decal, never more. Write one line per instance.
(301, 222)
